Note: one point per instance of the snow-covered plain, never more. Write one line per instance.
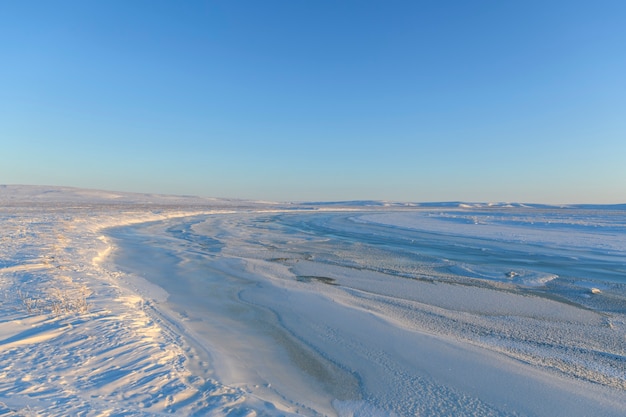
(128, 304)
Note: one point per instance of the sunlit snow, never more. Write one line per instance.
(132, 304)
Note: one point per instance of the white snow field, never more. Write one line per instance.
(139, 305)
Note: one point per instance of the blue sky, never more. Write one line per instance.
(318, 100)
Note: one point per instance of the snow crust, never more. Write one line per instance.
(232, 308)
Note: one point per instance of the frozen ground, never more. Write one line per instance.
(122, 304)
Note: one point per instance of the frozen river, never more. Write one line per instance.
(430, 311)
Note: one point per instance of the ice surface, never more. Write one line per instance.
(143, 304)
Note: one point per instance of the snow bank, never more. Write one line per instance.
(116, 354)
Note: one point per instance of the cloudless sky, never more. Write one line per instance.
(318, 100)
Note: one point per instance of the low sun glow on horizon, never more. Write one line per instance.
(318, 101)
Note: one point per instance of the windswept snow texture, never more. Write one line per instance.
(125, 304)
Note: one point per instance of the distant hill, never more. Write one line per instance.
(34, 194)
(56, 194)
